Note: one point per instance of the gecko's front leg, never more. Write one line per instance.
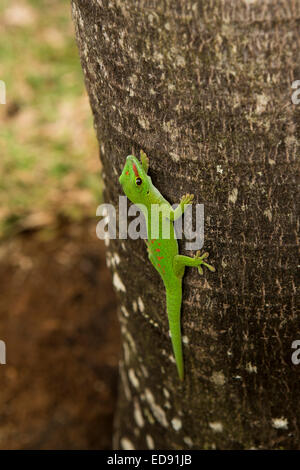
(180, 261)
(184, 201)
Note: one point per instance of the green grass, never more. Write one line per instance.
(49, 157)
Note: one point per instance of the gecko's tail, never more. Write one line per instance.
(173, 310)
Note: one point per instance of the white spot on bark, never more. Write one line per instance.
(124, 311)
(133, 80)
(129, 338)
(261, 103)
(216, 426)
(280, 423)
(176, 423)
(166, 393)
(158, 56)
(144, 371)
(188, 441)
(152, 321)
(150, 18)
(233, 196)
(134, 306)
(126, 352)
(118, 283)
(219, 169)
(133, 378)
(149, 442)
(268, 214)
(126, 444)
(115, 259)
(180, 61)
(144, 123)
(185, 340)
(251, 368)
(148, 416)
(174, 156)
(141, 305)
(157, 411)
(218, 378)
(125, 382)
(137, 413)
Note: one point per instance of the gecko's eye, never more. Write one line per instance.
(138, 181)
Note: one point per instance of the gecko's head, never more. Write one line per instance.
(134, 181)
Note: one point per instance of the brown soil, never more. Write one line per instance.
(58, 320)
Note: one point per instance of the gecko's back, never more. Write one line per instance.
(162, 246)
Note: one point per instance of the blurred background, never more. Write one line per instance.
(57, 306)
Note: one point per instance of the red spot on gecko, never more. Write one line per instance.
(135, 170)
(160, 257)
(152, 241)
(127, 173)
(157, 249)
(158, 265)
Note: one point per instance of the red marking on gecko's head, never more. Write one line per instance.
(135, 170)
(127, 173)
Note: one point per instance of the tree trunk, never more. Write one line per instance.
(204, 88)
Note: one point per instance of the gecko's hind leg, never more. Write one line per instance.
(181, 261)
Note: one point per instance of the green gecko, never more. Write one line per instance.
(162, 252)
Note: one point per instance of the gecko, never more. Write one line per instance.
(162, 250)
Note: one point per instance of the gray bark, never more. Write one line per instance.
(204, 88)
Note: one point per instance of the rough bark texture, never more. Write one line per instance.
(205, 89)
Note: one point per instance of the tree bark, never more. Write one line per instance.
(204, 88)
